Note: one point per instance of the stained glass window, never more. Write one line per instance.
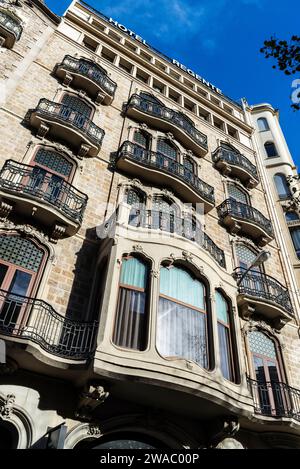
(21, 252)
(166, 149)
(261, 344)
(54, 161)
(77, 104)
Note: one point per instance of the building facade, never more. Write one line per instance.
(147, 299)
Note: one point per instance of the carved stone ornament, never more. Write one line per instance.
(90, 400)
(83, 150)
(67, 79)
(170, 136)
(2, 41)
(136, 183)
(42, 130)
(94, 430)
(229, 443)
(100, 97)
(143, 126)
(252, 324)
(5, 209)
(6, 410)
(187, 256)
(223, 432)
(138, 248)
(57, 233)
(154, 273)
(167, 193)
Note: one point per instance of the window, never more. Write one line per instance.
(182, 318)
(291, 216)
(158, 86)
(108, 55)
(137, 213)
(89, 43)
(131, 324)
(142, 76)
(270, 150)
(142, 139)
(218, 123)
(20, 263)
(266, 369)
(189, 169)
(245, 256)
(295, 234)
(125, 65)
(164, 214)
(282, 186)
(262, 124)
(73, 103)
(225, 337)
(234, 192)
(166, 148)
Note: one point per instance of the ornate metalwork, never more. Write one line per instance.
(235, 159)
(168, 165)
(10, 24)
(231, 207)
(275, 399)
(90, 70)
(18, 178)
(260, 285)
(170, 115)
(54, 333)
(72, 117)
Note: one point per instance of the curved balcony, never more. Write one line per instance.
(236, 165)
(67, 125)
(168, 120)
(88, 76)
(239, 217)
(32, 191)
(30, 320)
(159, 169)
(10, 29)
(263, 295)
(275, 399)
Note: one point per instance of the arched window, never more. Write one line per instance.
(189, 169)
(270, 149)
(295, 234)
(164, 214)
(131, 325)
(234, 192)
(167, 149)
(225, 337)
(282, 187)
(182, 316)
(21, 260)
(262, 124)
(291, 216)
(245, 256)
(76, 110)
(267, 373)
(142, 139)
(136, 199)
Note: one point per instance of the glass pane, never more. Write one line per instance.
(179, 284)
(222, 308)
(225, 356)
(235, 193)
(134, 273)
(20, 283)
(53, 161)
(261, 344)
(291, 216)
(20, 251)
(281, 186)
(166, 149)
(181, 332)
(76, 104)
(3, 270)
(270, 149)
(141, 139)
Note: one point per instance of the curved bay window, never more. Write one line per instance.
(225, 337)
(182, 316)
(131, 324)
(267, 373)
(21, 261)
(80, 110)
(137, 201)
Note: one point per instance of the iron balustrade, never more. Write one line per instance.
(173, 117)
(72, 117)
(44, 186)
(235, 159)
(10, 24)
(185, 227)
(90, 70)
(262, 286)
(275, 399)
(245, 212)
(156, 160)
(35, 320)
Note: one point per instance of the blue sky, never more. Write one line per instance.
(220, 40)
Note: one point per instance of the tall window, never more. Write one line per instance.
(237, 194)
(166, 148)
(131, 323)
(151, 103)
(137, 213)
(182, 316)
(164, 214)
(282, 187)
(20, 264)
(270, 149)
(266, 369)
(189, 169)
(262, 124)
(295, 234)
(76, 109)
(143, 143)
(225, 337)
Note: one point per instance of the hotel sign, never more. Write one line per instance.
(190, 72)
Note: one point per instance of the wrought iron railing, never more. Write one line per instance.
(173, 117)
(10, 24)
(168, 165)
(35, 320)
(262, 286)
(245, 212)
(275, 399)
(38, 184)
(235, 159)
(72, 117)
(90, 70)
(185, 227)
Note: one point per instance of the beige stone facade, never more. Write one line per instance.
(94, 120)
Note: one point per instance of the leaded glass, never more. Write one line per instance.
(76, 104)
(237, 194)
(166, 149)
(54, 162)
(21, 252)
(245, 255)
(188, 164)
(134, 198)
(141, 139)
(261, 344)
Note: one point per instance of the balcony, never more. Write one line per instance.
(159, 169)
(239, 217)
(263, 295)
(86, 75)
(30, 320)
(67, 125)
(32, 191)
(10, 29)
(275, 399)
(236, 165)
(166, 119)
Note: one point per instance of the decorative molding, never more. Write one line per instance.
(252, 325)
(67, 79)
(187, 256)
(138, 248)
(89, 401)
(5, 209)
(94, 430)
(83, 150)
(58, 231)
(155, 273)
(7, 409)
